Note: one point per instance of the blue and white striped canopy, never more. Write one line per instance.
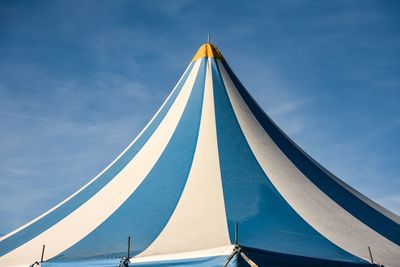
(208, 159)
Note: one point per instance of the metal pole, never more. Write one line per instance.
(129, 247)
(209, 38)
(236, 233)
(41, 258)
(250, 262)
(370, 255)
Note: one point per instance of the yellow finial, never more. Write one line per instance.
(208, 50)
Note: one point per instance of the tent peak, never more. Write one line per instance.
(208, 50)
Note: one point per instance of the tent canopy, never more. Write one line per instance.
(210, 159)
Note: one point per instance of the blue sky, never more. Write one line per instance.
(79, 79)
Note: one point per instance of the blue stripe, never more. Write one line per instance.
(266, 221)
(322, 178)
(146, 212)
(67, 208)
(268, 258)
(215, 261)
(83, 263)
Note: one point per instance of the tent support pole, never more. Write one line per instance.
(247, 259)
(236, 233)
(238, 251)
(234, 252)
(370, 254)
(42, 257)
(129, 247)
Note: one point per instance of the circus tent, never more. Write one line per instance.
(210, 181)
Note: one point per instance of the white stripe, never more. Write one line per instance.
(105, 169)
(199, 220)
(219, 251)
(316, 208)
(96, 210)
(366, 200)
(357, 194)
